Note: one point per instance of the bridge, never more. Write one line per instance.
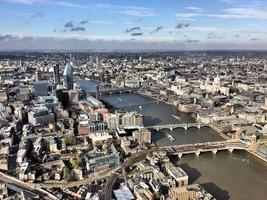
(116, 91)
(171, 127)
(20, 186)
(198, 148)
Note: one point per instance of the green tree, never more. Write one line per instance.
(66, 172)
(76, 162)
(106, 148)
(70, 140)
(157, 195)
(65, 151)
(90, 146)
(74, 150)
(74, 115)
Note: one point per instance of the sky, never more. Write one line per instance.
(133, 25)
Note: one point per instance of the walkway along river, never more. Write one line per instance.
(237, 175)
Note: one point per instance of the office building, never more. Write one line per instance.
(47, 101)
(38, 75)
(190, 192)
(40, 116)
(123, 193)
(103, 162)
(40, 88)
(68, 76)
(56, 74)
(23, 93)
(127, 119)
(142, 136)
(177, 173)
(141, 191)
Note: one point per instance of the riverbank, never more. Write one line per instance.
(224, 136)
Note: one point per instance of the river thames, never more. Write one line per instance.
(237, 175)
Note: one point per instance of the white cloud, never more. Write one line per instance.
(129, 10)
(67, 4)
(247, 13)
(230, 13)
(188, 16)
(196, 9)
(25, 1)
(197, 29)
(204, 29)
(227, 1)
(101, 22)
(253, 31)
(137, 13)
(125, 10)
(52, 2)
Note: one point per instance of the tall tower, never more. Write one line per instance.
(56, 74)
(97, 94)
(68, 76)
(238, 134)
(254, 144)
(265, 66)
(38, 75)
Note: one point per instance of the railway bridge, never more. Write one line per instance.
(198, 148)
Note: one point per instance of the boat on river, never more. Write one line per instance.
(176, 117)
(171, 138)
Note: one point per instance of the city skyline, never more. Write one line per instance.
(128, 25)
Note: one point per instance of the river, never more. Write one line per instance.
(237, 175)
(155, 114)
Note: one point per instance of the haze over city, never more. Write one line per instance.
(133, 25)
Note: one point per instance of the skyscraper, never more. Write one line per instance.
(265, 66)
(56, 74)
(68, 76)
(38, 75)
(40, 88)
(97, 94)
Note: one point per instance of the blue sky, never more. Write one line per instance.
(138, 24)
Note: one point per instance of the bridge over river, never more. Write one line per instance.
(111, 91)
(171, 127)
(198, 148)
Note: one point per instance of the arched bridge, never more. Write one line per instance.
(116, 91)
(171, 127)
(213, 147)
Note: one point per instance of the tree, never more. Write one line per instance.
(65, 151)
(157, 195)
(74, 116)
(90, 146)
(66, 172)
(74, 150)
(76, 162)
(70, 140)
(106, 148)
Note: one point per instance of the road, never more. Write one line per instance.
(26, 187)
(133, 159)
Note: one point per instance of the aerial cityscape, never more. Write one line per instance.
(125, 100)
